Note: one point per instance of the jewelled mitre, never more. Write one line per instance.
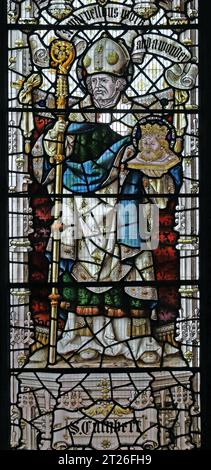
(106, 56)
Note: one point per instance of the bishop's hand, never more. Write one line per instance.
(59, 128)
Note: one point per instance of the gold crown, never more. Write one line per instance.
(154, 129)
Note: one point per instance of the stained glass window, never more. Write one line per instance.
(104, 224)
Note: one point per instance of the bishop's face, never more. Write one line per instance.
(104, 87)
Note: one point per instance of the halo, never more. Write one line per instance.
(136, 133)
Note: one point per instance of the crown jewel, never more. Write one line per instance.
(154, 129)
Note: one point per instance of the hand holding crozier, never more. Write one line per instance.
(154, 156)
